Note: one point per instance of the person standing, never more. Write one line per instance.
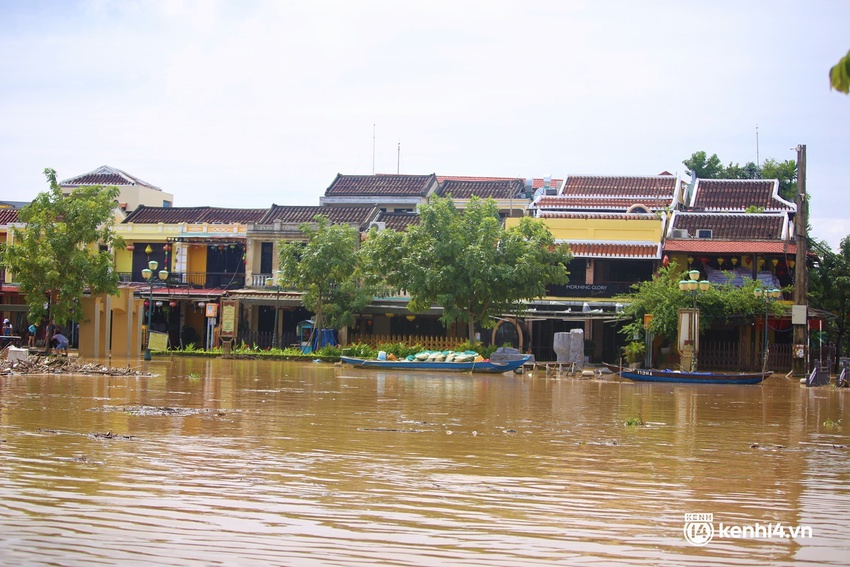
(33, 331)
(48, 335)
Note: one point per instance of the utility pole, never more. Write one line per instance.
(799, 315)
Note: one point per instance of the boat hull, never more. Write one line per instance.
(485, 367)
(677, 377)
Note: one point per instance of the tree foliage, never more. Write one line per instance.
(55, 257)
(712, 168)
(325, 269)
(829, 288)
(467, 262)
(839, 75)
(662, 298)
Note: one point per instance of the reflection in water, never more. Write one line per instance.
(258, 463)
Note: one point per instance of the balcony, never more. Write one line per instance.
(217, 280)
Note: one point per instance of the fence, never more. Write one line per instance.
(744, 358)
(428, 343)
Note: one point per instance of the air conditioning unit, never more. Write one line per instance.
(704, 233)
(377, 225)
(679, 233)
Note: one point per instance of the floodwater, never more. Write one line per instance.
(231, 462)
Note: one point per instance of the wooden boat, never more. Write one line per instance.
(484, 366)
(680, 377)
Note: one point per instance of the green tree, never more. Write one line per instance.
(786, 173)
(839, 75)
(829, 288)
(703, 166)
(662, 298)
(325, 269)
(56, 257)
(467, 262)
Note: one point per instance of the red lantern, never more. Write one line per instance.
(130, 247)
(172, 303)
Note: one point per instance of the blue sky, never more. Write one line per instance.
(249, 103)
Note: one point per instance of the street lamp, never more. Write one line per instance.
(275, 282)
(147, 274)
(768, 295)
(692, 284)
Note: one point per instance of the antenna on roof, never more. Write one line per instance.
(758, 163)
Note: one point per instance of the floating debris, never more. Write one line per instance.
(36, 364)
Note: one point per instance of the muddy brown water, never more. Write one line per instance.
(226, 462)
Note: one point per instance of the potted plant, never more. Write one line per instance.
(634, 352)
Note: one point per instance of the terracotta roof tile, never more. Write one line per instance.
(337, 215)
(738, 194)
(586, 215)
(495, 188)
(726, 226)
(708, 246)
(398, 221)
(656, 186)
(600, 203)
(176, 215)
(536, 182)
(8, 216)
(105, 175)
(615, 250)
(381, 185)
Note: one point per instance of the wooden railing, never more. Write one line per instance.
(428, 343)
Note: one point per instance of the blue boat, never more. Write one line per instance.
(483, 366)
(680, 377)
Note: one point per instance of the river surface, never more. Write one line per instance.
(244, 462)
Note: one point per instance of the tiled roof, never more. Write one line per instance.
(8, 216)
(398, 221)
(586, 215)
(615, 250)
(105, 175)
(726, 226)
(336, 215)
(176, 215)
(536, 182)
(709, 246)
(600, 203)
(637, 188)
(381, 185)
(738, 194)
(495, 188)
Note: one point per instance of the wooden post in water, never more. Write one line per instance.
(801, 280)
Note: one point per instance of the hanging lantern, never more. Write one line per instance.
(166, 247)
(130, 247)
(774, 261)
(761, 263)
(410, 317)
(690, 260)
(148, 249)
(147, 304)
(172, 303)
(734, 260)
(791, 264)
(665, 261)
(720, 261)
(748, 260)
(159, 303)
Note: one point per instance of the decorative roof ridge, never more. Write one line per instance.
(106, 170)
